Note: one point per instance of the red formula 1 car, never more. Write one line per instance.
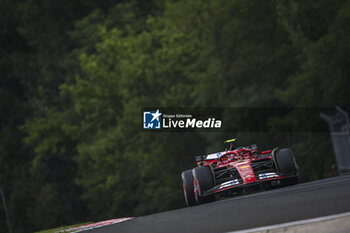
(237, 171)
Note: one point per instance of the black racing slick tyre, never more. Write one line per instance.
(187, 183)
(286, 164)
(202, 181)
(285, 161)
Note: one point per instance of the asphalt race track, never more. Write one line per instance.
(303, 201)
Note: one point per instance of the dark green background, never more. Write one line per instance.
(76, 74)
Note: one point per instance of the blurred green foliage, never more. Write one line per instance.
(75, 76)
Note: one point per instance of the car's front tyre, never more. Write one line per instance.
(286, 164)
(187, 183)
(203, 180)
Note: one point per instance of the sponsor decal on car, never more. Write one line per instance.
(242, 163)
(214, 156)
(267, 175)
(228, 184)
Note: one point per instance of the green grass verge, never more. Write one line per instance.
(62, 228)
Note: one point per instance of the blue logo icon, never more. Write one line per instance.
(151, 120)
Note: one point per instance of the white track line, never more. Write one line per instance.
(289, 224)
(94, 225)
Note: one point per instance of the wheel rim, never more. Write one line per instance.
(196, 189)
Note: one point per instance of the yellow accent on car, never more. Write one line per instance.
(231, 140)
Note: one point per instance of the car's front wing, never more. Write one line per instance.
(238, 183)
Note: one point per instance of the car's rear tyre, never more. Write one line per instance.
(285, 161)
(187, 183)
(203, 181)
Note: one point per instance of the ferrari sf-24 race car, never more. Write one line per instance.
(238, 170)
